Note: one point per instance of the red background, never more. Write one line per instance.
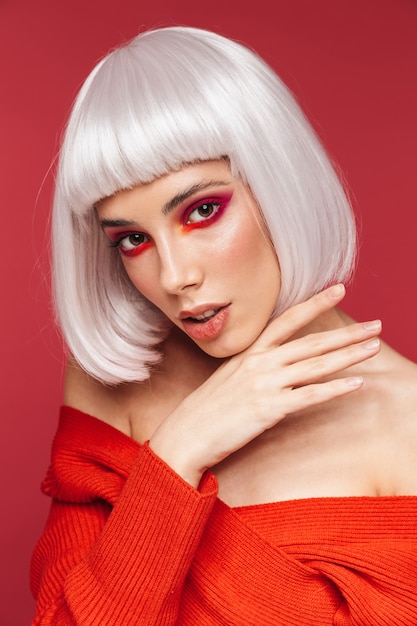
(352, 64)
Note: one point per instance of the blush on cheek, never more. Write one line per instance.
(248, 254)
(239, 242)
(143, 280)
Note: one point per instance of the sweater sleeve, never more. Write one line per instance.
(98, 564)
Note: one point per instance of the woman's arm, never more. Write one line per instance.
(100, 566)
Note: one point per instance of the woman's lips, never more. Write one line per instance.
(198, 329)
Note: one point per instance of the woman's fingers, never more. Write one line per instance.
(298, 316)
(317, 344)
(317, 368)
(307, 396)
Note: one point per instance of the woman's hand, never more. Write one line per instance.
(257, 388)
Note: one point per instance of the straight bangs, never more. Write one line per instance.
(145, 111)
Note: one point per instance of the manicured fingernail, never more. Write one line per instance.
(374, 325)
(354, 381)
(372, 344)
(336, 290)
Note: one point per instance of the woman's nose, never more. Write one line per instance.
(180, 269)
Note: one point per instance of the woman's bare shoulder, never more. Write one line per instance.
(110, 403)
(399, 378)
(405, 382)
(135, 408)
(397, 435)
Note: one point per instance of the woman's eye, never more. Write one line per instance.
(130, 242)
(202, 212)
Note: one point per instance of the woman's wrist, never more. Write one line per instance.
(175, 457)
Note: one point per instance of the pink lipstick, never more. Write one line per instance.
(205, 323)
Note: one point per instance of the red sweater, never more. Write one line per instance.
(128, 542)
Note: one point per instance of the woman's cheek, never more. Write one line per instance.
(235, 244)
(141, 278)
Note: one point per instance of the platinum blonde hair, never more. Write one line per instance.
(172, 96)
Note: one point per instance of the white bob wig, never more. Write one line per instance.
(169, 97)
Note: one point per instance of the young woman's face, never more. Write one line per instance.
(192, 243)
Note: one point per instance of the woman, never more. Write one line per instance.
(229, 443)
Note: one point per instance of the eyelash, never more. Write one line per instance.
(219, 207)
(136, 249)
(205, 221)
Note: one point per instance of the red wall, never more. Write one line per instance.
(353, 65)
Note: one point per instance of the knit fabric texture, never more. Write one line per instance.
(128, 543)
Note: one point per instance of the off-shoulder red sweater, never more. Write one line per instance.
(128, 542)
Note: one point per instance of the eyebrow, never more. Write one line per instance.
(116, 223)
(187, 193)
(171, 204)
